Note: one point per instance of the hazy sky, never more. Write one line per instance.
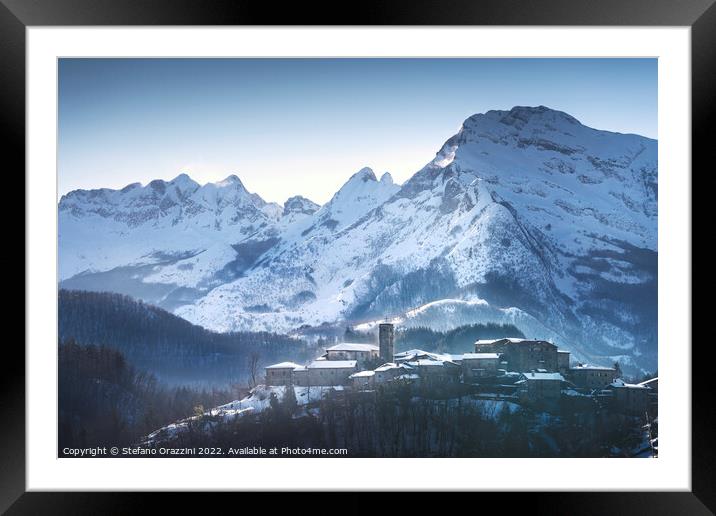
(303, 126)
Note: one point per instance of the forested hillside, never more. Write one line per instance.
(458, 340)
(172, 349)
(104, 401)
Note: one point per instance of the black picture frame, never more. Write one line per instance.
(17, 15)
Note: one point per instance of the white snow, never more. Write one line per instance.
(480, 356)
(349, 346)
(258, 400)
(284, 365)
(363, 374)
(528, 194)
(332, 364)
(543, 376)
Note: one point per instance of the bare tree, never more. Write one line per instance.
(253, 368)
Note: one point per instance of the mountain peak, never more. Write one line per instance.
(386, 179)
(131, 186)
(527, 113)
(230, 180)
(364, 174)
(184, 183)
(182, 178)
(360, 194)
(530, 110)
(299, 204)
(520, 116)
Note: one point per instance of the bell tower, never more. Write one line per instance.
(386, 339)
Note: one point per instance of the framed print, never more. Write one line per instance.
(420, 249)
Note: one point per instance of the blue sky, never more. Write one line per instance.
(303, 126)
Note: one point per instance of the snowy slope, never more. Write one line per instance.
(258, 400)
(540, 217)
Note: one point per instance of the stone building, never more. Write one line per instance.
(361, 353)
(330, 372)
(479, 365)
(300, 376)
(389, 371)
(629, 398)
(540, 387)
(522, 354)
(382, 375)
(653, 385)
(363, 380)
(563, 360)
(436, 371)
(414, 354)
(280, 374)
(592, 377)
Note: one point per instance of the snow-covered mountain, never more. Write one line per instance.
(537, 216)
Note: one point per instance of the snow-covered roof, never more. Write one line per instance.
(350, 346)
(480, 356)
(408, 376)
(543, 376)
(387, 367)
(284, 365)
(647, 383)
(492, 341)
(621, 383)
(510, 374)
(563, 351)
(512, 340)
(332, 364)
(411, 352)
(588, 367)
(362, 374)
(414, 353)
(430, 362)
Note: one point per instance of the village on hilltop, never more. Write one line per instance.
(497, 377)
(530, 372)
